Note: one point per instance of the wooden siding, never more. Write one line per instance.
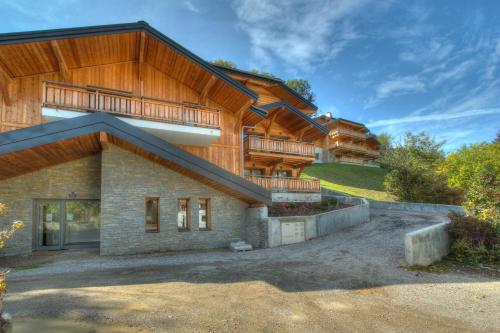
(27, 94)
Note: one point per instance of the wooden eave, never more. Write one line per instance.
(275, 86)
(31, 149)
(32, 53)
(296, 121)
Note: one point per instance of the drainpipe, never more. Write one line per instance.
(243, 148)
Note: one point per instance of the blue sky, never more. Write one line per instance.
(396, 66)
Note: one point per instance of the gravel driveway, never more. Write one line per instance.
(350, 281)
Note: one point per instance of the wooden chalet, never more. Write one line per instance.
(110, 132)
(348, 142)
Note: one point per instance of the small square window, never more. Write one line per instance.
(204, 212)
(183, 213)
(152, 214)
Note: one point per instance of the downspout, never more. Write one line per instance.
(243, 148)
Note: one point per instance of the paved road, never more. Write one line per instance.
(350, 281)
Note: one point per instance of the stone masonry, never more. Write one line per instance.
(80, 177)
(128, 178)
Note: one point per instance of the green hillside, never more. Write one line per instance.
(353, 180)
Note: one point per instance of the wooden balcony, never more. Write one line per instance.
(259, 144)
(85, 99)
(351, 147)
(289, 184)
(347, 132)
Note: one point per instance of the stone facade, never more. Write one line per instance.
(128, 178)
(80, 178)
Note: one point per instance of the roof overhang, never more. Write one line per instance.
(295, 120)
(278, 87)
(30, 149)
(35, 46)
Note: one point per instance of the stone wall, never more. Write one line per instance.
(81, 177)
(128, 178)
(256, 227)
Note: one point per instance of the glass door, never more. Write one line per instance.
(49, 224)
(81, 222)
(67, 223)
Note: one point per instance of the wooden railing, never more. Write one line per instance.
(79, 98)
(289, 184)
(347, 132)
(353, 147)
(256, 143)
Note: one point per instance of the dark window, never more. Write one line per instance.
(152, 214)
(204, 220)
(183, 221)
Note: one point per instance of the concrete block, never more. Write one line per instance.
(426, 245)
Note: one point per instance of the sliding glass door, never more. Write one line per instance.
(67, 223)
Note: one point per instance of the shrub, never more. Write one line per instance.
(474, 241)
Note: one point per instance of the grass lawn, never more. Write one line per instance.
(354, 180)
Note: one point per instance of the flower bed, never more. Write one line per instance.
(305, 208)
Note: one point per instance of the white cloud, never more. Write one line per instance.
(455, 73)
(396, 87)
(190, 6)
(433, 117)
(302, 34)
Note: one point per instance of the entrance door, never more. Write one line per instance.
(67, 223)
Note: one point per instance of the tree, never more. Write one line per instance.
(476, 170)
(464, 166)
(224, 63)
(266, 74)
(303, 87)
(385, 140)
(412, 176)
(497, 138)
(4, 236)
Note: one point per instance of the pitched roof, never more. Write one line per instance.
(297, 113)
(278, 82)
(13, 144)
(141, 26)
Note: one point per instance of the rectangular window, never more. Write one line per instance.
(152, 214)
(204, 222)
(183, 222)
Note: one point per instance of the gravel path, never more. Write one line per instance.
(350, 281)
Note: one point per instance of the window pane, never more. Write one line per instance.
(152, 214)
(183, 214)
(204, 214)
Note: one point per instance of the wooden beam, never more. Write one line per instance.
(140, 61)
(239, 115)
(206, 89)
(61, 61)
(103, 140)
(271, 121)
(6, 79)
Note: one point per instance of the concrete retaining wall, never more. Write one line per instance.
(321, 224)
(426, 245)
(416, 207)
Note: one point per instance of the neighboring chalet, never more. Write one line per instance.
(116, 136)
(348, 142)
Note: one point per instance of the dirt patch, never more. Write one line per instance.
(351, 281)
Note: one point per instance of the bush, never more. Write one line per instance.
(413, 175)
(474, 241)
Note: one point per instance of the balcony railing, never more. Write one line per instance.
(255, 143)
(79, 98)
(336, 145)
(347, 132)
(289, 184)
